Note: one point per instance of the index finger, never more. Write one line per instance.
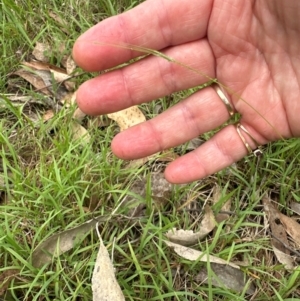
(154, 24)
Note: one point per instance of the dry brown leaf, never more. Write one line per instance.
(36, 65)
(80, 133)
(284, 258)
(49, 114)
(5, 278)
(276, 227)
(225, 277)
(40, 51)
(295, 207)
(161, 191)
(104, 283)
(59, 74)
(279, 239)
(189, 237)
(17, 100)
(62, 242)
(291, 227)
(193, 255)
(78, 115)
(128, 117)
(35, 80)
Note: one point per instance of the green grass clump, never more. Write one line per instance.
(50, 182)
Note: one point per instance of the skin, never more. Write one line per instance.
(252, 47)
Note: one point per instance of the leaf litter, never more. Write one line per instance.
(189, 237)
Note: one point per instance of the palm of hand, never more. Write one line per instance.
(240, 43)
(257, 57)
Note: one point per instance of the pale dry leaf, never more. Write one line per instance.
(295, 207)
(193, 255)
(128, 117)
(70, 65)
(63, 77)
(105, 286)
(40, 51)
(62, 242)
(17, 100)
(225, 277)
(284, 258)
(79, 115)
(291, 227)
(80, 133)
(189, 237)
(49, 114)
(36, 65)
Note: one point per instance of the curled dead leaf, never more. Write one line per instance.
(193, 255)
(189, 237)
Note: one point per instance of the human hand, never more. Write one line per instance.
(252, 47)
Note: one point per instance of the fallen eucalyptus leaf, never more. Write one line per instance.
(189, 237)
(128, 117)
(225, 277)
(35, 80)
(193, 255)
(104, 283)
(62, 242)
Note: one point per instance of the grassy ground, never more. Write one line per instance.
(50, 183)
